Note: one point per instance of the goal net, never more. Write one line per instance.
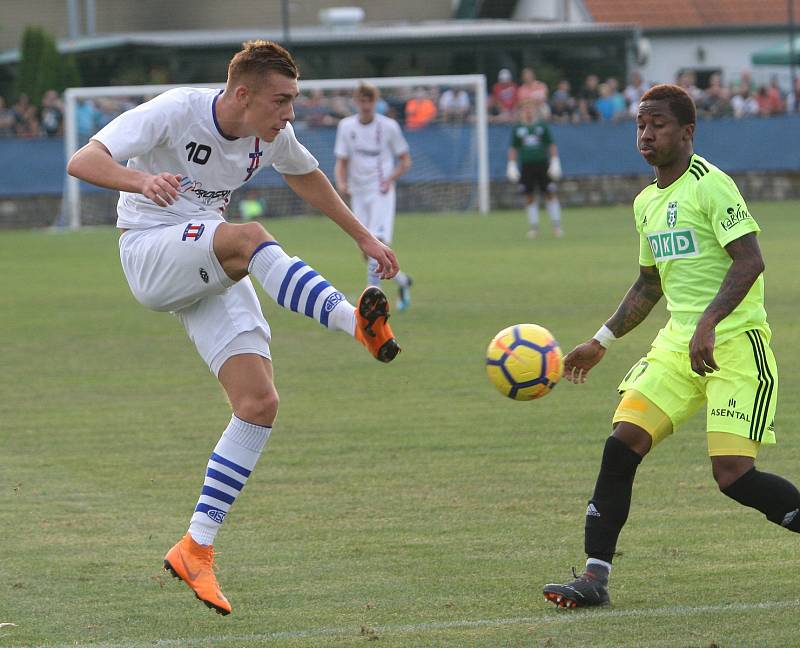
(448, 144)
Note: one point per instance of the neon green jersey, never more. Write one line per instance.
(683, 231)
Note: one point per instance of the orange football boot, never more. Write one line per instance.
(194, 564)
(372, 327)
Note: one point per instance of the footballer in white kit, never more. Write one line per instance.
(167, 253)
(371, 153)
(187, 150)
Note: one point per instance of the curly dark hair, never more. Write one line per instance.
(679, 101)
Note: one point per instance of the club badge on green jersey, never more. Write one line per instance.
(672, 214)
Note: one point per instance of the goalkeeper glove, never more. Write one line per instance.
(512, 171)
(554, 169)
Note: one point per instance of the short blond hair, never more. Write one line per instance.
(366, 90)
(257, 58)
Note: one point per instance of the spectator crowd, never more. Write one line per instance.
(412, 107)
(417, 107)
(608, 100)
(25, 119)
(594, 101)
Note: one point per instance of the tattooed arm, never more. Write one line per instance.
(638, 302)
(747, 265)
(635, 307)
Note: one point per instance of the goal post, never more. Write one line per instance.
(78, 131)
(450, 153)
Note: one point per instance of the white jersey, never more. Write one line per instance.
(370, 149)
(177, 132)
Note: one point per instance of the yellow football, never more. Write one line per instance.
(524, 361)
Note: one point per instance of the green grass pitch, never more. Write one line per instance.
(407, 503)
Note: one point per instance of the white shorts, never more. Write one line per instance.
(376, 213)
(174, 268)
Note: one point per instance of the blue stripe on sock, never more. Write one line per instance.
(226, 462)
(312, 297)
(202, 507)
(285, 285)
(261, 247)
(210, 491)
(225, 479)
(298, 288)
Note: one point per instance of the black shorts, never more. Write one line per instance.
(533, 175)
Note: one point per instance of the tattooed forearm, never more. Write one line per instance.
(747, 265)
(637, 304)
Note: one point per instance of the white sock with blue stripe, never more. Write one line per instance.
(231, 463)
(298, 287)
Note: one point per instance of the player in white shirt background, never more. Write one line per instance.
(187, 150)
(371, 154)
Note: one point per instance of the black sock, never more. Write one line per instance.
(774, 496)
(609, 506)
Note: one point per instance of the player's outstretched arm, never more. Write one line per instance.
(635, 307)
(747, 265)
(94, 164)
(638, 302)
(317, 191)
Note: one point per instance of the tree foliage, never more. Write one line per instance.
(41, 67)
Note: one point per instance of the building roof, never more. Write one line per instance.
(692, 13)
(452, 30)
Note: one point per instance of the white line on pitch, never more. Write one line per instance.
(556, 616)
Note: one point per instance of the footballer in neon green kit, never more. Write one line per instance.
(698, 249)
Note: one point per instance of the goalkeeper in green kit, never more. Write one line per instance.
(533, 163)
(699, 249)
